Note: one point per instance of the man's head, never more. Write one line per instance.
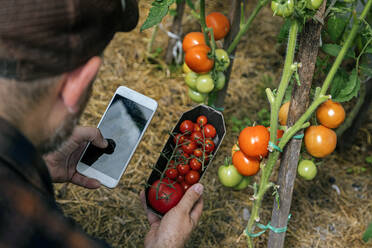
(49, 57)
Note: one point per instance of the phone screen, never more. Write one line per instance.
(122, 125)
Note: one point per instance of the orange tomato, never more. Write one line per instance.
(283, 114)
(279, 133)
(197, 59)
(192, 39)
(219, 23)
(320, 141)
(330, 114)
(246, 166)
(253, 141)
(234, 149)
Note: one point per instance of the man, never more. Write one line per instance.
(48, 60)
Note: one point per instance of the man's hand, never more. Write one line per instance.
(175, 227)
(62, 163)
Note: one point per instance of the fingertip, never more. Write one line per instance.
(198, 188)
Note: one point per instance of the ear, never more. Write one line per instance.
(76, 83)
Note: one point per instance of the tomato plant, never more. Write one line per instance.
(164, 195)
(330, 114)
(197, 59)
(219, 23)
(246, 166)
(192, 39)
(320, 141)
(253, 141)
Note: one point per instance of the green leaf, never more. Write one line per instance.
(368, 50)
(338, 82)
(350, 85)
(284, 30)
(366, 69)
(345, 98)
(158, 11)
(369, 159)
(368, 233)
(334, 50)
(336, 26)
(190, 4)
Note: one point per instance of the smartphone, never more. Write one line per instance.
(123, 124)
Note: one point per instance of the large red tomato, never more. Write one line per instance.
(192, 39)
(169, 194)
(197, 59)
(253, 141)
(246, 166)
(219, 23)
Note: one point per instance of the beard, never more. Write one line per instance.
(64, 131)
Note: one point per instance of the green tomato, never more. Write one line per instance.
(223, 60)
(204, 83)
(229, 175)
(313, 4)
(283, 8)
(197, 96)
(221, 79)
(243, 183)
(190, 79)
(307, 169)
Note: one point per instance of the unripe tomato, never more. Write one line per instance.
(197, 59)
(223, 60)
(192, 39)
(283, 8)
(313, 4)
(253, 141)
(197, 96)
(307, 169)
(185, 68)
(320, 141)
(283, 113)
(246, 166)
(234, 149)
(330, 114)
(219, 23)
(204, 83)
(221, 80)
(229, 175)
(243, 183)
(190, 80)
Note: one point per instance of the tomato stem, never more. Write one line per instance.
(202, 22)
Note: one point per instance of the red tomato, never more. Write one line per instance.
(198, 152)
(246, 166)
(164, 195)
(209, 145)
(171, 173)
(195, 164)
(180, 178)
(189, 147)
(192, 177)
(279, 133)
(219, 23)
(209, 131)
(192, 39)
(330, 114)
(183, 169)
(197, 137)
(187, 126)
(180, 138)
(197, 128)
(197, 59)
(320, 141)
(202, 120)
(253, 141)
(185, 186)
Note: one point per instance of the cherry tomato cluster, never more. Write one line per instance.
(286, 8)
(204, 71)
(193, 149)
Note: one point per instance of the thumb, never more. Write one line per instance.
(191, 196)
(90, 134)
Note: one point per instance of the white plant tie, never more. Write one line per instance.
(177, 49)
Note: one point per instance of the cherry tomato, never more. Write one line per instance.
(197, 96)
(247, 166)
(313, 4)
(307, 169)
(243, 183)
(180, 178)
(190, 80)
(185, 186)
(221, 80)
(197, 59)
(204, 83)
(209, 131)
(330, 114)
(183, 169)
(234, 149)
(189, 147)
(164, 195)
(283, 114)
(180, 138)
(195, 164)
(222, 60)
(187, 126)
(197, 128)
(229, 175)
(182, 157)
(283, 8)
(209, 145)
(202, 120)
(171, 173)
(193, 39)
(198, 153)
(219, 23)
(253, 141)
(320, 141)
(197, 136)
(192, 177)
